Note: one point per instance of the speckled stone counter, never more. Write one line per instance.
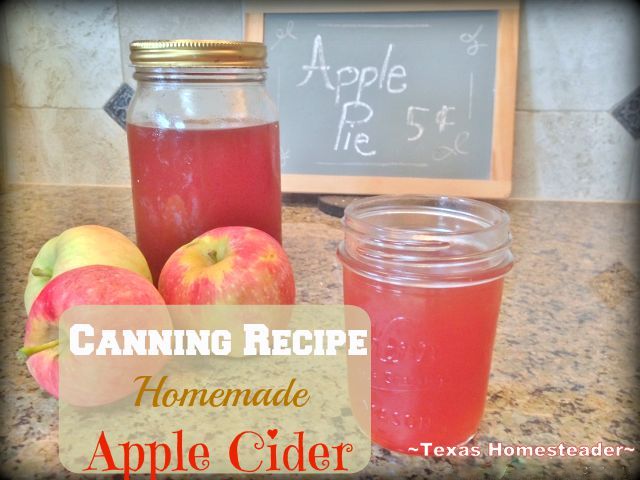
(564, 367)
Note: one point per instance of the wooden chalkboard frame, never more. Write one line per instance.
(499, 183)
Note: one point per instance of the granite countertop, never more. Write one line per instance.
(564, 366)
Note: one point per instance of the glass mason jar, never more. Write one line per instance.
(429, 272)
(203, 143)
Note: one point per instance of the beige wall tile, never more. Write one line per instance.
(6, 74)
(71, 146)
(573, 156)
(162, 19)
(6, 84)
(26, 154)
(63, 54)
(634, 180)
(578, 55)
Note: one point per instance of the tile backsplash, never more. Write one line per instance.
(627, 112)
(116, 107)
(63, 61)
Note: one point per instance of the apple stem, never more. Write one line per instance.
(41, 272)
(213, 256)
(26, 352)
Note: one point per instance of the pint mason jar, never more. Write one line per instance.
(429, 272)
(203, 143)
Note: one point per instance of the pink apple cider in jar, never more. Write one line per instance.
(429, 272)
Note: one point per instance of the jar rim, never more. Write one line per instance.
(366, 205)
(420, 239)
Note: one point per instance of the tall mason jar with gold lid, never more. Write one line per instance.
(203, 142)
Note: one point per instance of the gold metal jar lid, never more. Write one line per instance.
(198, 53)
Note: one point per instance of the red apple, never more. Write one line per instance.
(90, 285)
(229, 266)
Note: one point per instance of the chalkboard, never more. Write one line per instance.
(378, 102)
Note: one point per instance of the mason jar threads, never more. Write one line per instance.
(429, 272)
(203, 143)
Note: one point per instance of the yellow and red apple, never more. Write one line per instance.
(229, 266)
(79, 247)
(90, 285)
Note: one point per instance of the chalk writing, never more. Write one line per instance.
(411, 121)
(384, 94)
(441, 118)
(317, 63)
(281, 34)
(445, 151)
(374, 25)
(285, 154)
(470, 96)
(472, 40)
(357, 111)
